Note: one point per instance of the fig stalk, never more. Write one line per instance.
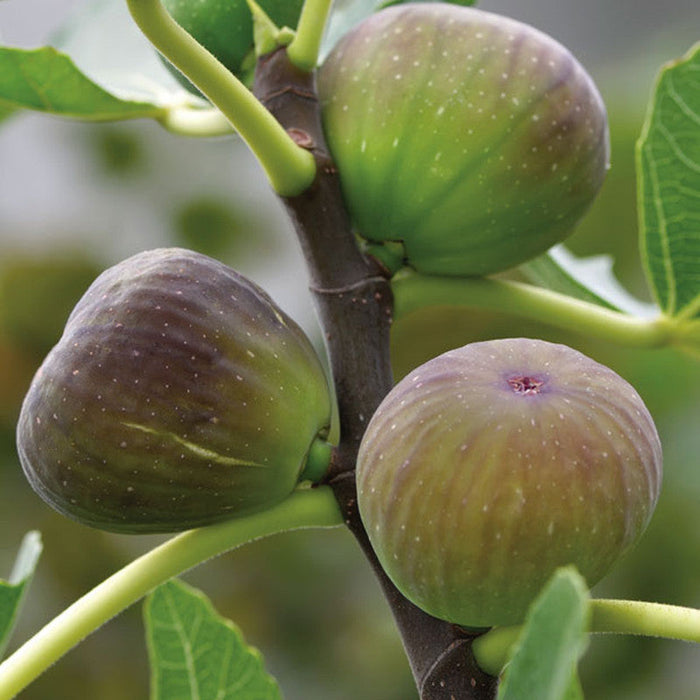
(304, 509)
(636, 617)
(413, 291)
(304, 48)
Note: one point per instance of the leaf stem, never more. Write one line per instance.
(303, 509)
(413, 291)
(196, 122)
(493, 649)
(304, 48)
(646, 619)
(290, 168)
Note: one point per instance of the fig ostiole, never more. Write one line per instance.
(490, 466)
(179, 395)
(476, 140)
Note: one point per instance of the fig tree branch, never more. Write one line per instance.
(354, 302)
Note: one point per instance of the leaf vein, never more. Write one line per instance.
(682, 104)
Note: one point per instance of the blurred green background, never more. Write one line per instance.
(77, 198)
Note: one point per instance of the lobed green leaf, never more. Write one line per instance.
(554, 637)
(12, 591)
(196, 654)
(47, 80)
(83, 76)
(126, 65)
(589, 279)
(668, 172)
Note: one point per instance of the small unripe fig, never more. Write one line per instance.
(490, 466)
(474, 139)
(179, 395)
(225, 27)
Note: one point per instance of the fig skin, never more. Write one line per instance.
(475, 139)
(179, 395)
(490, 466)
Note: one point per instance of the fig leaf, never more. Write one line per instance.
(24, 84)
(552, 641)
(81, 76)
(668, 171)
(12, 591)
(195, 653)
(589, 279)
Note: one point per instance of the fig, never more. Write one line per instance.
(490, 466)
(225, 28)
(178, 395)
(474, 139)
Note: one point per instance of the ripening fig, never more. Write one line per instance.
(179, 395)
(476, 140)
(225, 27)
(490, 466)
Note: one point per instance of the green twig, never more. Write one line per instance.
(413, 291)
(304, 49)
(493, 649)
(303, 509)
(291, 169)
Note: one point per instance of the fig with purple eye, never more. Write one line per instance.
(179, 395)
(474, 139)
(490, 466)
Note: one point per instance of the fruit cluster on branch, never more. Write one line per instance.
(445, 139)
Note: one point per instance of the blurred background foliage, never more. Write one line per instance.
(76, 198)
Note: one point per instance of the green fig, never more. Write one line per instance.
(225, 28)
(474, 139)
(490, 466)
(179, 395)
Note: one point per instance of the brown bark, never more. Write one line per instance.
(354, 302)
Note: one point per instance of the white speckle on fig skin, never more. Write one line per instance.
(563, 468)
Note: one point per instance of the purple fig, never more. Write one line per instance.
(476, 140)
(179, 395)
(490, 466)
